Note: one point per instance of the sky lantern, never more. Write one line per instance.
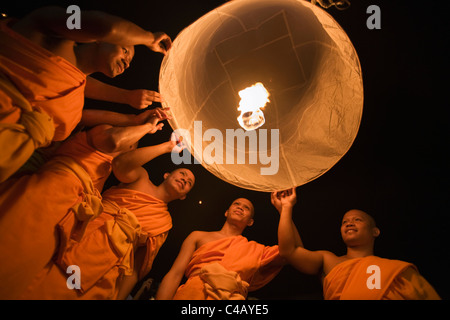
(267, 94)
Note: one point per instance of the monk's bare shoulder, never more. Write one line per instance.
(330, 260)
(142, 184)
(203, 237)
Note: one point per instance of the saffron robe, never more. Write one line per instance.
(29, 214)
(398, 280)
(105, 254)
(228, 268)
(97, 164)
(39, 85)
(31, 206)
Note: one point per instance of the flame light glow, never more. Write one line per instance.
(253, 99)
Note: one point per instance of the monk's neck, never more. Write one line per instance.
(359, 252)
(230, 230)
(162, 193)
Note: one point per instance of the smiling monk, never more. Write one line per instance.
(357, 275)
(62, 193)
(43, 69)
(117, 248)
(221, 265)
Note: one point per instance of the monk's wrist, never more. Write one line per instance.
(169, 145)
(287, 206)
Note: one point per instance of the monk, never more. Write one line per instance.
(221, 265)
(117, 248)
(357, 275)
(43, 69)
(66, 188)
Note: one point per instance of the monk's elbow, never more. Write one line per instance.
(285, 253)
(115, 142)
(117, 168)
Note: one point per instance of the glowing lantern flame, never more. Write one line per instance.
(252, 100)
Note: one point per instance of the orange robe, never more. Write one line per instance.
(105, 254)
(398, 280)
(29, 214)
(53, 89)
(97, 164)
(228, 268)
(32, 206)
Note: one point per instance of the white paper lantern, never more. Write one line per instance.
(308, 66)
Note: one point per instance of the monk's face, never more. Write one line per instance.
(114, 59)
(180, 182)
(241, 210)
(358, 228)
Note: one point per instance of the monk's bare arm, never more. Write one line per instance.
(127, 167)
(289, 242)
(138, 98)
(151, 118)
(94, 117)
(115, 132)
(305, 261)
(96, 26)
(172, 279)
(284, 202)
(113, 140)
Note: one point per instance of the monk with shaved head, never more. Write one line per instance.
(221, 265)
(45, 70)
(359, 274)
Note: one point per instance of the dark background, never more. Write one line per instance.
(396, 169)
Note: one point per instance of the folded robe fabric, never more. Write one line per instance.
(18, 140)
(29, 214)
(252, 265)
(131, 219)
(97, 164)
(398, 280)
(53, 88)
(221, 284)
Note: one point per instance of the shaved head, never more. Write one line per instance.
(369, 218)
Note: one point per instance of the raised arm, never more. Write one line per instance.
(172, 279)
(114, 132)
(285, 201)
(138, 98)
(306, 261)
(96, 26)
(128, 167)
(94, 117)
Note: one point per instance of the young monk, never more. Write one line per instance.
(117, 248)
(65, 188)
(221, 265)
(357, 275)
(43, 69)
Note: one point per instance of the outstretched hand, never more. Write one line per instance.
(177, 144)
(155, 117)
(283, 199)
(141, 98)
(161, 43)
